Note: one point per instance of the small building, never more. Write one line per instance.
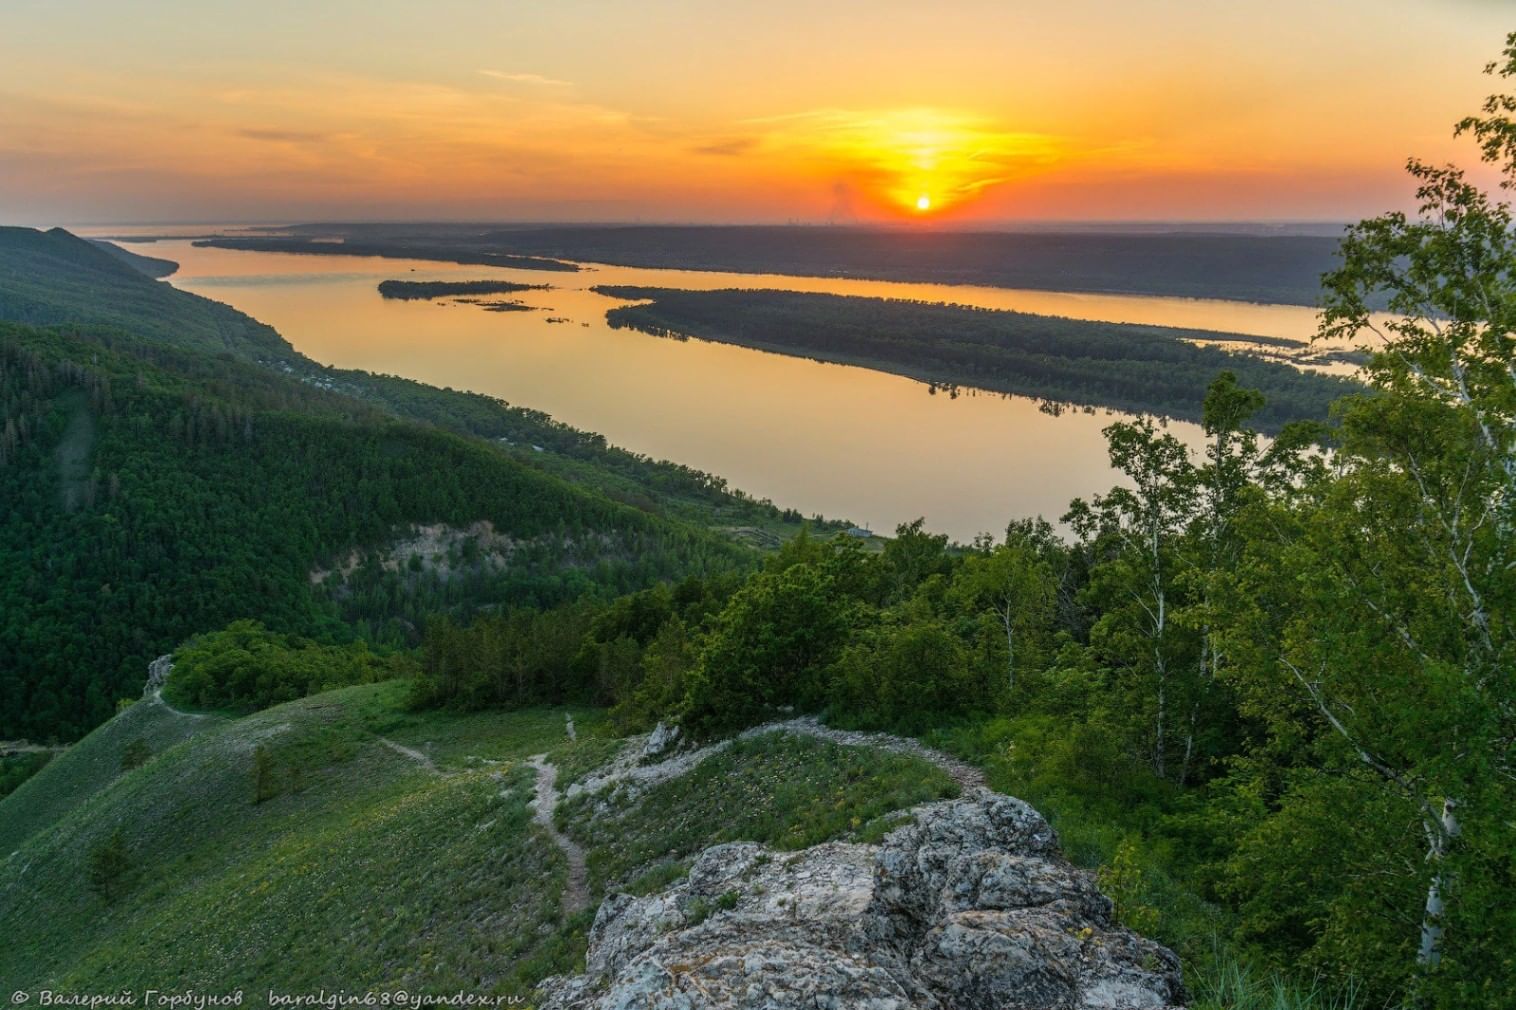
(860, 533)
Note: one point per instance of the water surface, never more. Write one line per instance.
(833, 439)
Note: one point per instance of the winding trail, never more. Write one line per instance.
(413, 754)
(576, 893)
(627, 769)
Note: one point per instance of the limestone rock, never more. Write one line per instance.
(969, 907)
(660, 741)
(157, 675)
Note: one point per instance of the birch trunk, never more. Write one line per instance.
(1441, 836)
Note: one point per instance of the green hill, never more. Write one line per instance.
(153, 266)
(55, 277)
(153, 495)
(170, 465)
(391, 849)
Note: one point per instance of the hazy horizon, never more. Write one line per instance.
(977, 115)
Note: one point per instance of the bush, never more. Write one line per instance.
(246, 667)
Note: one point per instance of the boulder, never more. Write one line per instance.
(967, 907)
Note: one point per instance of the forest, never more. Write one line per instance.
(165, 476)
(1267, 688)
(1149, 369)
(1270, 696)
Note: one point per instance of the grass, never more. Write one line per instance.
(367, 869)
(785, 791)
(364, 869)
(89, 766)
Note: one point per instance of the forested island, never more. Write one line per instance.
(1126, 366)
(388, 250)
(421, 290)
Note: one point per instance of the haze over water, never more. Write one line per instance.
(837, 440)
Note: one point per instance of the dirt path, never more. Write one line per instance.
(158, 697)
(627, 770)
(415, 755)
(576, 893)
(961, 772)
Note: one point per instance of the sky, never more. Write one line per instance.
(935, 113)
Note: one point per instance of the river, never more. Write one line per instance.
(832, 439)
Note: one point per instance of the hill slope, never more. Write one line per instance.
(55, 277)
(170, 464)
(409, 837)
(160, 494)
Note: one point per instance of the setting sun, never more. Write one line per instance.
(923, 202)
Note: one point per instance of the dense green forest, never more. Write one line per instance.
(415, 290)
(1253, 688)
(1130, 367)
(1284, 269)
(54, 277)
(163, 479)
(154, 266)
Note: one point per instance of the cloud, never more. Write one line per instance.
(537, 79)
(727, 148)
(285, 136)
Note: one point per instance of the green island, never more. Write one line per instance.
(416, 290)
(1125, 366)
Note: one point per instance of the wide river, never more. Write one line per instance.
(837, 440)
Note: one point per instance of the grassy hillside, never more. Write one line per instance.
(426, 864)
(71, 779)
(55, 277)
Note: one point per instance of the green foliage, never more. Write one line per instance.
(1126, 366)
(135, 755)
(245, 667)
(785, 791)
(108, 865)
(769, 647)
(17, 768)
(1121, 880)
(217, 509)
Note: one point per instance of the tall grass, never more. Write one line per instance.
(1225, 983)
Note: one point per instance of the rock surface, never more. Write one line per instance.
(157, 675)
(968, 907)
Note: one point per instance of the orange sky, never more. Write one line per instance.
(173, 110)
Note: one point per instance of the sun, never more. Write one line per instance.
(923, 202)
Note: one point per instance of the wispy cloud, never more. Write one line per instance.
(537, 79)
(727, 148)
(285, 136)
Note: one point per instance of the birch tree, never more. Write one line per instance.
(1141, 523)
(1403, 646)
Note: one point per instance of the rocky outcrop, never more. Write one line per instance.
(968, 907)
(157, 675)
